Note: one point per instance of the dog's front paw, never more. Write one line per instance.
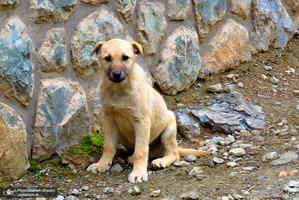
(159, 163)
(137, 176)
(130, 160)
(97, 167)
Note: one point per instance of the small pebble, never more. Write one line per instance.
(116, 168)
(59, 197)
(268, 68)
(270, 156)
(181, 163)
(237, 152)
(75, 192)
(218, 160)
(231, 164)
(85, 188)
(249, 168)
(190, 158)
(274, 80)
(180, 105)
(263, 77)
(135, 190)
(190, 195)
(283, 174)
(155, 193)
(196, 171)
(226, 141)
(293, 172)
(240, 85)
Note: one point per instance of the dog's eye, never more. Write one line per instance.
(107, 58)
(125, 58)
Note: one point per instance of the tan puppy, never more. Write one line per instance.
(134, 113)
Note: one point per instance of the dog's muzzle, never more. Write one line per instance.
(117, 76)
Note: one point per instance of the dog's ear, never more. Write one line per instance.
(138, 49)
(97, 48)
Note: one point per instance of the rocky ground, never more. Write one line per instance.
(244, 165)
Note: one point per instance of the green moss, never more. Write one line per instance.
(4, 184)
(67, 173)
(90, 145)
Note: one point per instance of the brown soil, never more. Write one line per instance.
(278, 102)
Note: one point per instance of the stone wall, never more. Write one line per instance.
(49, 83)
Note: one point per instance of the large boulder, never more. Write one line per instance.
(240, 8)
(53, 53)
(208, 13)
(179, 10)
(16, 66)
(96, 108)
(13, 144)
(51, 11)
(99, 26)
(151, 25)
(126, 9)
(61, 118)
(272, 24)
(180, 61)
(226, 49)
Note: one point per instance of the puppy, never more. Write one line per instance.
(134, 113)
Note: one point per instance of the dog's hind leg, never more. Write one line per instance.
(168, 140)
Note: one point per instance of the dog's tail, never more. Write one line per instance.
(198, 153)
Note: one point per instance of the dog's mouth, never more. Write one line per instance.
(117, 76)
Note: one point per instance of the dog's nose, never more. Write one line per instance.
(116, 74)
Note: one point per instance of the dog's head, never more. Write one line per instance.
(117, 57)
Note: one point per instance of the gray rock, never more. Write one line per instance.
(218, 160)
(176, 72)
(61, 118)
(16, 65)
(151, 25)
(196, 171)
(270, 156)
(8, 4)
(53, 53)
(126, 9)
(208, 13)
(13, 152)
(271, 24)
(240, 8)
(179, 10)
(183, 163)
(226, 141)
(231, 113)
(186, 125)
(221, 55)
(285, 158)
(249, 168)
(237, 152)
(191, 158)
(238, 196)
(116, 168)
(51, 11)
(99, 26)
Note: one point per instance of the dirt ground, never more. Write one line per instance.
(279, 103)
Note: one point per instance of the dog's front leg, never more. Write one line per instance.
(140, 156)
(109, 147)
